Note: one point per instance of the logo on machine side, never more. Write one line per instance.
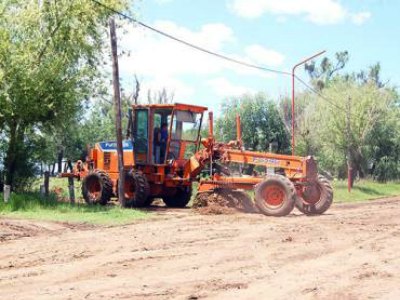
(263, 160)
(112, 146)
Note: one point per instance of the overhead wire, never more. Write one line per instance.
(191, 45)
(328, 100)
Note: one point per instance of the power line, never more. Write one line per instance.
(328, 100)
(193, 46)
(221, 56)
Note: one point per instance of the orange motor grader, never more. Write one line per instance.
(166, 154)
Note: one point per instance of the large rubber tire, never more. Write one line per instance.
(324, 202)
(137, 190)
(97, 188)
(180, 199)
(275, 196)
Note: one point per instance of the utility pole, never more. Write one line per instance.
(117, 107)
(348, 135)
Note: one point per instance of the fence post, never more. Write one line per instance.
(7, 192)
(71, 189)
(46, 183)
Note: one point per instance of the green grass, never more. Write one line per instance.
(33, 206)
(364, 190)
(62, 183)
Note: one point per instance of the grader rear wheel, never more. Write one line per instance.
(275, 196)
(136, 190)
(97, 188)
(318, 200)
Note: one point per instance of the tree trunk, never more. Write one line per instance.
(60, 156)
(53, 169)
(11, 155)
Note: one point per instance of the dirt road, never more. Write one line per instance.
(351, 253)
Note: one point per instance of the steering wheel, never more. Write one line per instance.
(171, 156)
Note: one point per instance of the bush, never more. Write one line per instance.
(386, 169)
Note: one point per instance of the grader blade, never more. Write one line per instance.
(222, 201)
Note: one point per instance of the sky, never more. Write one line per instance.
(270, 33)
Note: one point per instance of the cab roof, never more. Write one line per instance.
(179, 106)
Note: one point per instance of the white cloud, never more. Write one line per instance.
(154, 55)
(163, 1)
(174, 86)
(164, 61)
(224, 88)
(361, 17)
(281, 19)
(261, 55)
(316, 11)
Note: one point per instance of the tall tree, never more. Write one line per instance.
(321, 74)
(261, 123)
(50, 53)
(366, 107)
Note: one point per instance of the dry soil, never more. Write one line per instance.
(352, 252)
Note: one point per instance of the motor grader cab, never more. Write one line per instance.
(165, 137)
(162, 133)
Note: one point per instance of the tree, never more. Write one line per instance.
(370, 140)
(327, 69)
(367, 107)
(261, 123)
(371, 75)
(99, 125)
(49, 63)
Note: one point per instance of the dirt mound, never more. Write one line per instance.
(223, 201)
(15, 229)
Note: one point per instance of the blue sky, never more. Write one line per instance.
(275, 34)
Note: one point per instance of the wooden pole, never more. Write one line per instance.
(46, 183)
(71, 189)
(117, 106)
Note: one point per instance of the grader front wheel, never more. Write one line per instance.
(180, 199)
(275, 196)
(317, 199)
(97, 188)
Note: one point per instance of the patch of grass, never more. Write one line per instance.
(33, 206)
(59, 183)
(364, 190)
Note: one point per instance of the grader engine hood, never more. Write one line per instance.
(104, 155)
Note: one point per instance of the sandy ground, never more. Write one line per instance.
(351, 253)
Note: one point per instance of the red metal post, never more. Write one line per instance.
(293, 91)
(210, 124)
(293, 95)
(238, 129)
